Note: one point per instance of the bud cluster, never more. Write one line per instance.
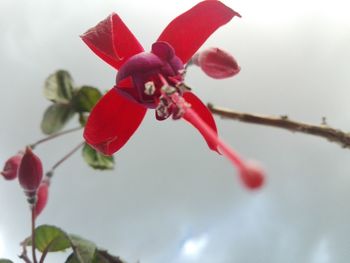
(28, 168)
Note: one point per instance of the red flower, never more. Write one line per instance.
(216, 63)
(153, 80)
(11, 167)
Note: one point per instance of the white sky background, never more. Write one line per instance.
(168, 187)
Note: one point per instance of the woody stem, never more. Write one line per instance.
(24, 255)
(333, 135)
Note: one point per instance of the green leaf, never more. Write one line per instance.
(59, 87)
(51, 238)
(3, 260)
(97, 160)
(86, 98)
(55, 117)
(100, 256)
(84, 250)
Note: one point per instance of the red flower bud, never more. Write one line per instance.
(252, 175)
(30, 172)
(216, 63)
(43, 194)
(11, 167)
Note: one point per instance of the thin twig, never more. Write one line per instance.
(64, 158)
(24, 255)
(333, 135)
(50, 137)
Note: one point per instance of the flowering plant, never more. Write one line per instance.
(145, 81)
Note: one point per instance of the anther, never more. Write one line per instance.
(162, 112)
(150, 88)
(168, 90)
(182, 72)
(183, 87)
(164, 101)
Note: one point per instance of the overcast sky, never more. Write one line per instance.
(170, 199)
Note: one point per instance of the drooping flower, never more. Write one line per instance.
(11, 167)
(154, 80)
(216, 63)
(30, 172)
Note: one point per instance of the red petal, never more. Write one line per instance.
(112, 41)
(203, 112)
(187, 32)
(126, 89)
(112, 122)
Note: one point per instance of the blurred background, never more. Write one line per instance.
(170, 199)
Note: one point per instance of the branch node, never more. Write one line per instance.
(324, 121)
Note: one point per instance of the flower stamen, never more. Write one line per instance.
(172, 103)
(169, 101)
(251, 175)
(150, 88)
(168, 90)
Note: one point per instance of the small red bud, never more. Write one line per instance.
(11, 167)
(216, 63)
(42, 196)
(253, 175)
(30, 172)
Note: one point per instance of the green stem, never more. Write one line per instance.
(64, 158)
(53, 136)
(46, 250)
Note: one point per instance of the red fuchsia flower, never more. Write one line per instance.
(11, 167)
(155, 80)
(30, 172)
(216, 63)
(42, 197)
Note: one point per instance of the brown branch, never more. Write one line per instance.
(24, 254)
(283, 122)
